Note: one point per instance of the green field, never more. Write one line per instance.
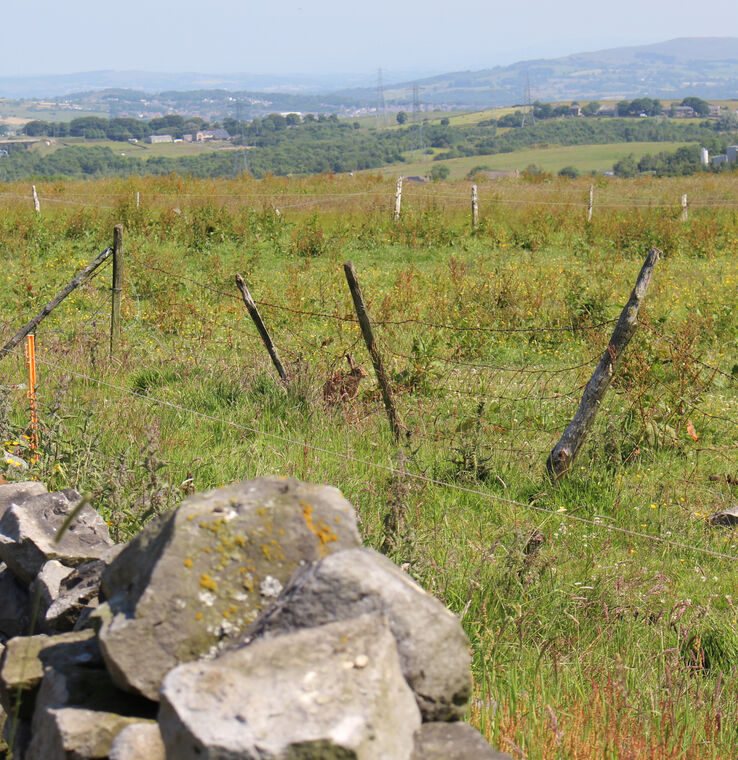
(601, 609)
(585, 158)
(140, 149)
(18, 113)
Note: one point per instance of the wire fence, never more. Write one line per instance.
(493, 397)
(575, 196)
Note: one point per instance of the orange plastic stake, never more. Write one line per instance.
(31, 394)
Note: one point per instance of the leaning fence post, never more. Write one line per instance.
(29, 327)
(398, 198)
(565, 451)
(475, 208)
(590, 206)
(261, 327)
(366, 329)
(117, 288)
(36, 203)
(685, 211)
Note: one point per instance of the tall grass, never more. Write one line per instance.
(588, 642)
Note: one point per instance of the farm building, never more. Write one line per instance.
(153, 139)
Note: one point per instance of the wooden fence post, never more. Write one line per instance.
(138, 198)
(366, 329)
(117, 288)
(590, 207)
(563, 454)
(261, 327)
(475, 208)
(398, 198)
(80, 279)
(685, 211)
(36, 203)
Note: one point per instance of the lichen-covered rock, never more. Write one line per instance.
(25, 658)
(78, 714)
(28, 534)
(453, 741)
(193, 579)
(328, 693)
(139, 741)
(433, 647)
(14, 606)
(18, 493)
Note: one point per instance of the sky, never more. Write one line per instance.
(333, 36)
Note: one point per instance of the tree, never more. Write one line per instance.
(591, 108)
(626, 167)
(401, 117)
(439, 172)
(569, 171)
(699, 106)
(445, 121)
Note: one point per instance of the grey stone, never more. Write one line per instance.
(329, 693)
(45, 587)
(76, 591)
(193, 579)
(26, 657)
(433, 647)
(453, 741)
(728, 518)
(27, 534)
(78, 714)
(14, 605)
(18, 493)
(139, 741)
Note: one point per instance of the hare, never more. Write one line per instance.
(343, 386)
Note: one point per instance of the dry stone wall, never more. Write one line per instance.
(249, 623)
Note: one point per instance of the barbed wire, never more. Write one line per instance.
(388, 468)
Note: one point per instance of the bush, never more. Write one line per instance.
(439, 173)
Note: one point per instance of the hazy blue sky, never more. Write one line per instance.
(323, 36)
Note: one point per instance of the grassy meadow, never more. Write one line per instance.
(602, 609)
(549, 158)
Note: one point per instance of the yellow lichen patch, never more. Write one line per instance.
(198, 616)
(321, 530)
(188, 562)
(207, 582)
(240, 541)
(190, 517)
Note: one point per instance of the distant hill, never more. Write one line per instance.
(702, 66)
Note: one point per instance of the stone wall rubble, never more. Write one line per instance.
(248, 623)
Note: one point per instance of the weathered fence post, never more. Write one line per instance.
(685, 210)
(590, 206)
(80, 279)
(475, 207)
(261, 327)
(138, 198)
(117, 288)
(565, 451)
(36, 203)
(366, 329)
(398, 198)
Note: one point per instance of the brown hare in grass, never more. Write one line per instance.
(343, 385)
